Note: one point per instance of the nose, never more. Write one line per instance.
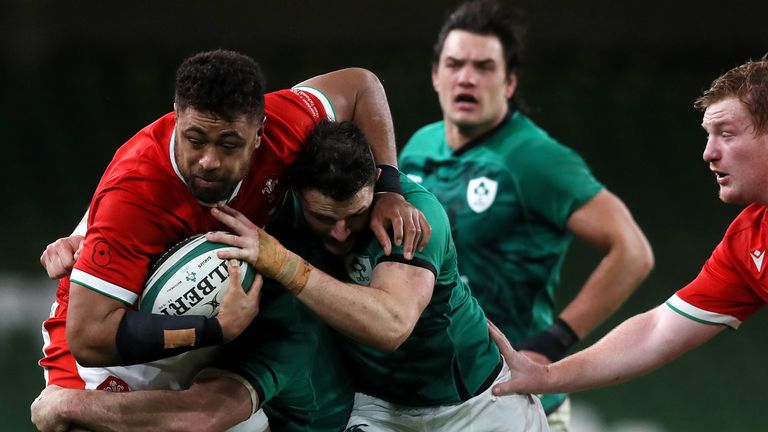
(340, 231)
(711, 150)
(209, 159)
(466, 76)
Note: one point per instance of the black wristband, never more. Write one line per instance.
(389, 179)
(553, 342)
(143, 337)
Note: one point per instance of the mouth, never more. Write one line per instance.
(465, 100)
(207, 181)
(721, 177)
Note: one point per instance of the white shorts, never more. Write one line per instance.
(482, 413)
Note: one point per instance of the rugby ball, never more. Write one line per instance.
(189, 279)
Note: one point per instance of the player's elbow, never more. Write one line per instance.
(641, 256)
(89, 351)
(395, 334)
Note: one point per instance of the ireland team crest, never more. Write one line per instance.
(359, 268)
(481, 192)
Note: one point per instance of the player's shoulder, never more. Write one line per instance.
(522, 136)
(426, 137)
(299, 100)
(146, 154)
(751, 222)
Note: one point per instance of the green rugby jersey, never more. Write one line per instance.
(508, 196)
(450, 356)
(292, 358)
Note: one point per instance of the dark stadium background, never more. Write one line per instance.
(613, 80)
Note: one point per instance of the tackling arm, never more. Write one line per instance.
(638, 346)
(382, 315)
(209, 405)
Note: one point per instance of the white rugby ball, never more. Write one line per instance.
(190, 279)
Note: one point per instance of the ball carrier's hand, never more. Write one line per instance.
(260, 249)
(238, 308)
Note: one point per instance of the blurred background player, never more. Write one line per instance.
(515, 197)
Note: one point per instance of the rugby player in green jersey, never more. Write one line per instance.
(416, 340)
(515, 197)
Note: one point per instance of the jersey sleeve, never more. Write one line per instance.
(719, 295)
(316, 101)
(554, 181)
(123, 237)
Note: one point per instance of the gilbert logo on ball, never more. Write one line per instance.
(190, 279)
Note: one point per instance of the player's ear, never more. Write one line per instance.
(511, 85)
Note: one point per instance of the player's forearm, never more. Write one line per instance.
(145, 410)
(636, 347)
(365, 314)
(619, 273)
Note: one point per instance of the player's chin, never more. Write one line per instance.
(730, 196)
(209, 194)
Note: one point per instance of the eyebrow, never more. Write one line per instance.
(225, 134)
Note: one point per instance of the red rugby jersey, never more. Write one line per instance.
(733, 284)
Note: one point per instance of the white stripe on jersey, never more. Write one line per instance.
(47, 338)
(108, 289)
(323, 100)
(690, 311)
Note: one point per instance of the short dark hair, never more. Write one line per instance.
(225, 83)
(488, 18)
(336, 161)
(748, 83)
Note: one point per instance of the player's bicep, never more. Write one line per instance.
(409, 285)
(92, 319)
(679, 333)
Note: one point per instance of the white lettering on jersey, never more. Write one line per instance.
(481, 192)
(359, 268)
(757, 258)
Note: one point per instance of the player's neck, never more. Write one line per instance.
(457, 137)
